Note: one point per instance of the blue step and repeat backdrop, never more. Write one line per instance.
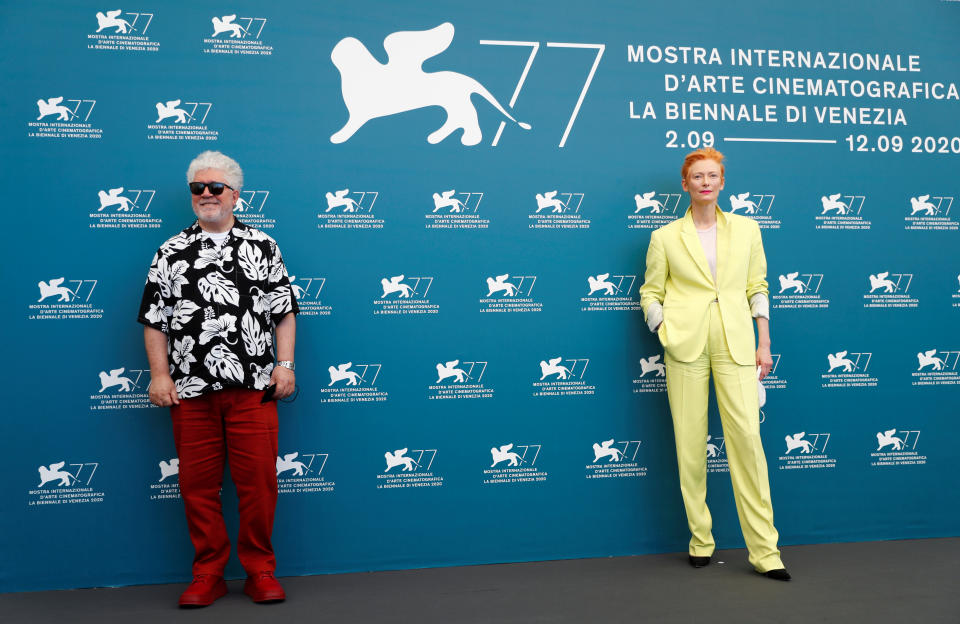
(464, 195)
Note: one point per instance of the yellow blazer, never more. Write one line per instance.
(679, 278)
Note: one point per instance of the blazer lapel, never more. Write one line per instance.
(688, 233)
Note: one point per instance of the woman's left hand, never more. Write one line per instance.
(764, 361)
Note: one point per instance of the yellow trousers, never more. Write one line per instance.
(736, 387)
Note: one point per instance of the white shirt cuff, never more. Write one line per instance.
(654, 316)
(760, 306)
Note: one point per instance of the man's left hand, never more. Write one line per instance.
(284, 380)
(764, 361)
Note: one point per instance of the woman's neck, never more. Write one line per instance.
(704, 215)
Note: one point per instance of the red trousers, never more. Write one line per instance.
(228, 424)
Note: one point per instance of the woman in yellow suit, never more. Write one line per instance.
(705, 279)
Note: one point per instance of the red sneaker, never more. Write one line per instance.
(203, 591)
(264, 587)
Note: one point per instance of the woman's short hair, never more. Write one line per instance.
(217, 160)
(706, 153)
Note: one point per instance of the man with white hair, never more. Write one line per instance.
(215, 296)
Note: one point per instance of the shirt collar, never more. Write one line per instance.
(688, 219)
(196, 232)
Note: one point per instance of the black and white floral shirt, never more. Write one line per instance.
(218, 305)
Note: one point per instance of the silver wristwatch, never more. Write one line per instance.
(286, 364)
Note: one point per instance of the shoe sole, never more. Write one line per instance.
(774, 578)
(192, 603)
(267, 598)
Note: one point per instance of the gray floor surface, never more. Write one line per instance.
(875, 582)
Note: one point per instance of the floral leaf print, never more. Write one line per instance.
(214, 255)
(261, 302)
(169, 278)
(249, 234)
(252, 262)
(218, 327)
(254, 340)
(276, 273)
(280, 300)
(158, 312)
(261, 376)
(178, 243)
(183, 311)
(189, 386)
(224, 363)
(217, 304)
(277, 270)
(217, 288)
(153, 273)
(176, 276)
(182, 355)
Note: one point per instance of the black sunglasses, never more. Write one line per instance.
(216, 188)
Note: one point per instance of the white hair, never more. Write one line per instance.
(217, 160)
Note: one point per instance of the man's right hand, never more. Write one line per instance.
(163, 392)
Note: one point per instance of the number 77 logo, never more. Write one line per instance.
(534, 48)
